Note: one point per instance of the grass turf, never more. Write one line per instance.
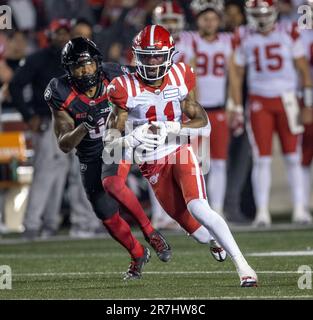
(92, 269)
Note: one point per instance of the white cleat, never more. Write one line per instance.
(301, 216)
(218, 252)
(262, 219)
(248, 277)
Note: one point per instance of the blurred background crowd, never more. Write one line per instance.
(58, 199)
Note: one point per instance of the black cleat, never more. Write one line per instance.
(160, 245)
(136, 266)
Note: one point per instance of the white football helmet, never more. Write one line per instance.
(200, 6)
(261, 14)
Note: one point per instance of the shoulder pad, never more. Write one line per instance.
(57, 91)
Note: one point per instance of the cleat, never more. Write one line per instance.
(262, 219)
(301, 216)
(248, 278)
(247, 282)
(160, 245)
(136, 266)
(218, 252)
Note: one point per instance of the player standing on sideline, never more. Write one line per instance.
(307, 140)
(160, 92)
(171, 16)
(272, 56)
(79, 106)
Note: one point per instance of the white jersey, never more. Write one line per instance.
(211, 61)
(269, 59)
(183, 47)
(145, 104)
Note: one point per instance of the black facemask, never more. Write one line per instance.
(87, 81)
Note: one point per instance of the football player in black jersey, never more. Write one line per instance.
(79, 106)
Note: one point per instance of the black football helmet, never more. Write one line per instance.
(79, 51)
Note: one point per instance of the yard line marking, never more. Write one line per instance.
(281, 253)
(58, 256)
(119, 254)
(53, 274)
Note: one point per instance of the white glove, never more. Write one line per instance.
(141, 136)
(171, 127)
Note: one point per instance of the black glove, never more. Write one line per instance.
(94, 114)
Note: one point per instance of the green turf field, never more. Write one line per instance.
(93, 269)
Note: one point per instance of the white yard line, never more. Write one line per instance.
(120, 254)
(281, 254)
(61, 274)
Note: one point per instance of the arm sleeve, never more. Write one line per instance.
(117, 94)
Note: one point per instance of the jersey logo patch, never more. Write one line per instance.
(48, 94)
(154, 179)
(170, 93)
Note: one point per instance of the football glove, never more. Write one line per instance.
(170, 127)
(94, 114)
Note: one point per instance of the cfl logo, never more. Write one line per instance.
(306, 19)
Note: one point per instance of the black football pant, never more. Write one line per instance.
(103, 204)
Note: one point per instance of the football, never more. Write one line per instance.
(153, 129)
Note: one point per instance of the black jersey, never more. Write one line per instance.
(61, 95)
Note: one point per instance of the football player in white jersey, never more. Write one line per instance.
(171, 16)
(272, 56)
(211, 53)
(307, 140)
(160, 92)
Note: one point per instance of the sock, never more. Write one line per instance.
(202, 235)
(306, 175)
(216, 225)
(217, 184)
(118, 189)
(119, 230)
(261, 181)
(293, 168)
